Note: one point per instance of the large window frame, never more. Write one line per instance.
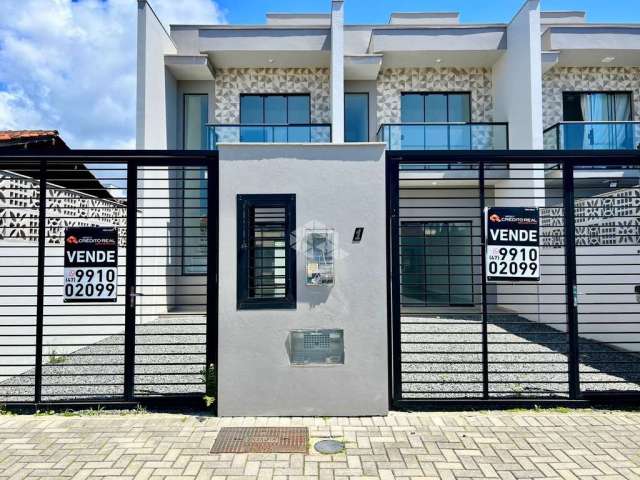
(447, 94)
(367, 126)
(612, 93)
(246, 207)
(263, 96)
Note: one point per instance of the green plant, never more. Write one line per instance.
(4, 411)
(210, 379)
(54, 358)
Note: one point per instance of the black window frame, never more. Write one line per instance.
(368, 116)
(264, 95)
(448, 93)
(245, 203)
(632, 112)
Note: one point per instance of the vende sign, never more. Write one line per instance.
(513, 244)
(90, 264)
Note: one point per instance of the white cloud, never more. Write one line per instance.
(70, 65)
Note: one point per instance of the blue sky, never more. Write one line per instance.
(377, 11)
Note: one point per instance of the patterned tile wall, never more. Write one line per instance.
(561, 79)
(231, 82)
(394, 81)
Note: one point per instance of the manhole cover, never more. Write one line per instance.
(329, 446)
(261, 440)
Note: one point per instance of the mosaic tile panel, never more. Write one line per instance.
(563, 79)
(392, 82)
(231, 82)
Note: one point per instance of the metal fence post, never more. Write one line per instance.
(485, 327)
(212, 166)
(42, 235)
(571, 281)
(130, 283)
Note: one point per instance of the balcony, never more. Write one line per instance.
(250, 133)
(445, 136)
(593, 136)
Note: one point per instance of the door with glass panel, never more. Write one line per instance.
(599, 114)
(436, 264)
(275, 118)
(431, 121)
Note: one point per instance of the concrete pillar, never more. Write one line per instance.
(337, 71)
(517, 80)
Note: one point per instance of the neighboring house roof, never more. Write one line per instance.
(32, 140)
(72, 175)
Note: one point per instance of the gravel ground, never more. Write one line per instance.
(170, 353)
(526, 359)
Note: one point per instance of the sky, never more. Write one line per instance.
(69, 65)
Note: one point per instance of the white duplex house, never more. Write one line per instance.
(304, 109)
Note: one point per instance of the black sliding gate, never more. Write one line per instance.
(154, 342)
(574, 335)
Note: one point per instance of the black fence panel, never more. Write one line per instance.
(153, 340)
(458, 337)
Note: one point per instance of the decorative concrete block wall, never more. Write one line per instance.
(578, 79)
(392, 82)
(231, 82)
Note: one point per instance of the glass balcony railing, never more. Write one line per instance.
(445, 136)
(298, 133)
(593, 136)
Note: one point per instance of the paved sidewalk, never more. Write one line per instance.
(408, 446)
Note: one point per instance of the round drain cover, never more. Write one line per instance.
(329, 446)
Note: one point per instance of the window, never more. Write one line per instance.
(438, 108)
(266, 251)
(194, 221)
(275, 109)
(196, 114)
(435, 107)
(356, 117)
(594, 108)
(275, 112)
(436, 263)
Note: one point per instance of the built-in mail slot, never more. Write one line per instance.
(316, 347)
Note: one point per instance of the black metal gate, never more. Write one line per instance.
(155, 342)
(573, 336)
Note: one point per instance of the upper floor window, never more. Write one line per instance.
(275, 109)
(596, 106)
(435, 107)
(356, 117)
(196, 113)
(273, 118)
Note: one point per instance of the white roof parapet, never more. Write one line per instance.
(563, 18)
(299, 19)
(424, 18)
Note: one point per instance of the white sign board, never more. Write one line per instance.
(90, 264)
(513, 244)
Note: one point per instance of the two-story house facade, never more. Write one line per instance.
(303, 111)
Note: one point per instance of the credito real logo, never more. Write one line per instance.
(72, 240)
(495, 218)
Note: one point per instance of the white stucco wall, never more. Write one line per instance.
(517, 83)
(156, 87)
(341, 187)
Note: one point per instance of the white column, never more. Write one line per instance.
(517, 80)
(337, 71)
